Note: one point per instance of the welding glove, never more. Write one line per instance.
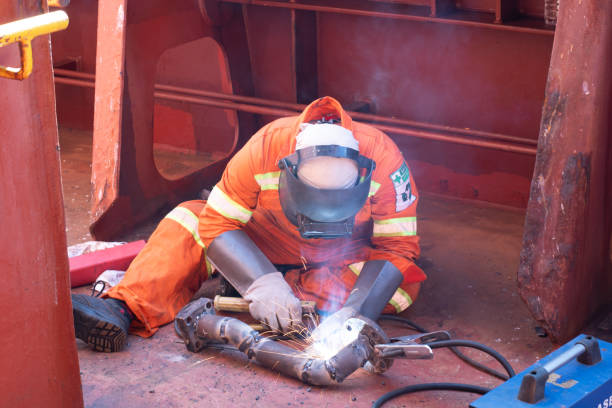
(273, 302)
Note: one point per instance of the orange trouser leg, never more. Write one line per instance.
(331, 285)
(166, 273)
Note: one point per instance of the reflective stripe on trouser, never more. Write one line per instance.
(166, 273)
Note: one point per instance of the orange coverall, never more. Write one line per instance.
(171, 267)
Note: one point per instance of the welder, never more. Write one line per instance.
(299, 210)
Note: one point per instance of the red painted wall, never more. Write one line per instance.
(469, 77)
(38, 358)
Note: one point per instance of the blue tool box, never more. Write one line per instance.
(551, 382)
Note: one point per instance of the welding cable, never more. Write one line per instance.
(476, 345)
(455, 350)
(403, 320)
(429, 387)
(479, 366)
(452, 344)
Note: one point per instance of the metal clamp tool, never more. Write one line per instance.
(412, 347)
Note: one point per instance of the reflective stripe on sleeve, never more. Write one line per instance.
(268, 181)
(400, 300)
(189, 221)
(221, 203)
(374, 186)
(395, 227)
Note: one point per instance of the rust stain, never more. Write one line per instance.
(576, 178)
(537, 216)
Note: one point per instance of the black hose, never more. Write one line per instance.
(429, 387)
(403, 321)
(452, 344)
(478, 365)
(476, 345)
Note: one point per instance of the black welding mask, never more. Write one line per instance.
(323, 213)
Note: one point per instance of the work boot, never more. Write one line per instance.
(101, 323)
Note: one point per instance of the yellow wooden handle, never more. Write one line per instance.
(23, 32)
(236, 304)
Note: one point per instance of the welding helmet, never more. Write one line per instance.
(322, 186)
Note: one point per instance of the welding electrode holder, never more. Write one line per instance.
(586, 351)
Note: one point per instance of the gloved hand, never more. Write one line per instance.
(273, 302)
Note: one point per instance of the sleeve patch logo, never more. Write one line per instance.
(403, 189)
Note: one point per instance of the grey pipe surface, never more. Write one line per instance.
(281, 358)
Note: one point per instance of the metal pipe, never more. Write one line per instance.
(198, 326)
(354, 115)
(394, 16)
(76, 82)
(262, 110)
(300, 107)
(282, 358)
(564, 358)
(443, 128)
(507, 147)
(29, 28)
(73, 74)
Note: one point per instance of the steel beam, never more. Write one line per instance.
(127, 186)
(564, 273)
(38, 357)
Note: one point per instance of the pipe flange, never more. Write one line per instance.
(186, 323)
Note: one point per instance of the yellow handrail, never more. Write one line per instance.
(58, 3)
(24, 31)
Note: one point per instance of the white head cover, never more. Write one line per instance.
(327, 172)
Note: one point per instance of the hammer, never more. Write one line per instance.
(236, 304)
